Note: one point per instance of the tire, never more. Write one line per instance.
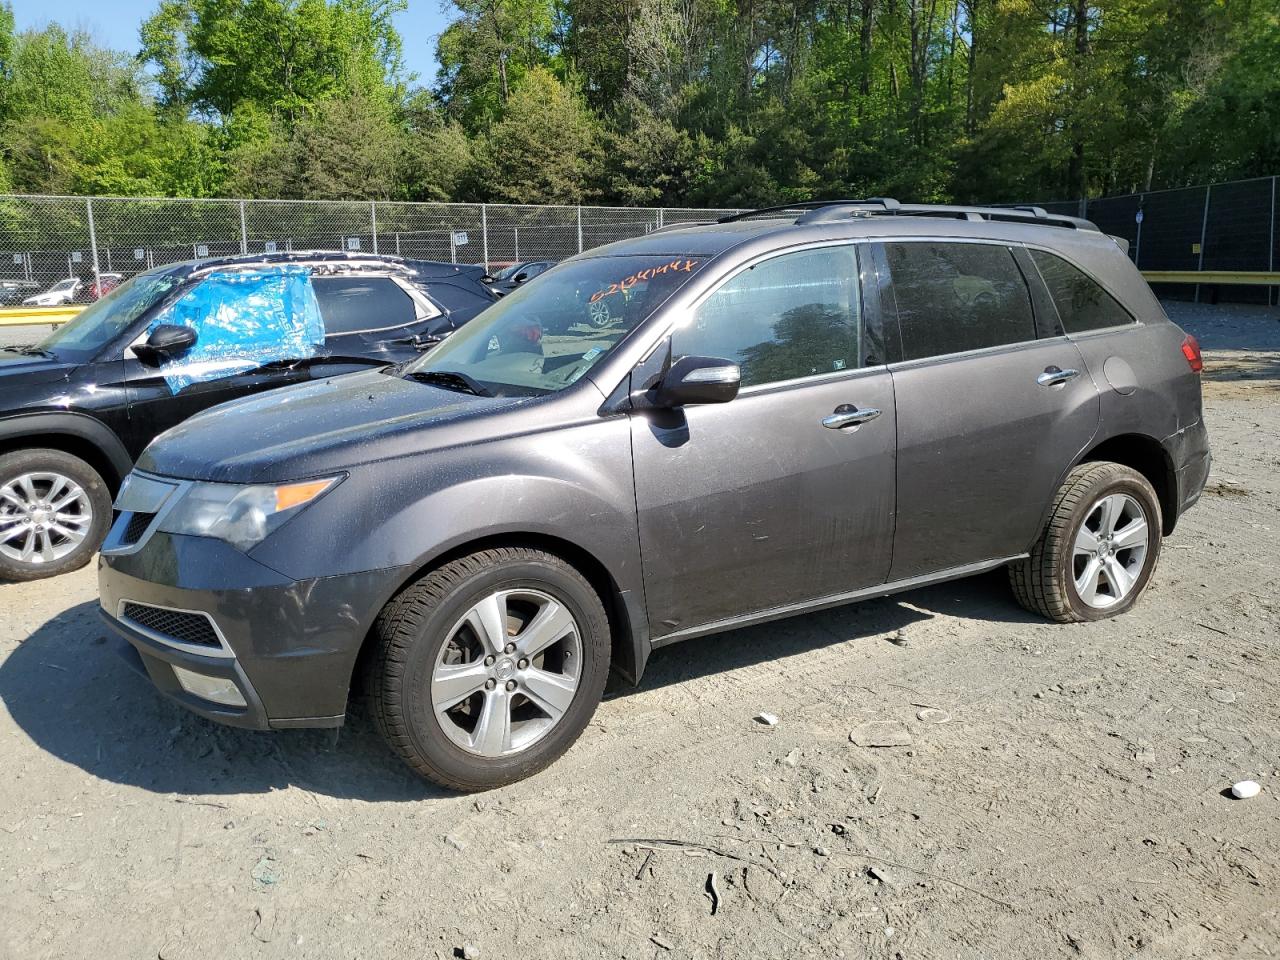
(27, 477)
(1046, 582)
(433, 627)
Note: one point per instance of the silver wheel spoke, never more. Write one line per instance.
(56, 486)
(1087, 582)
(552, 692)
(1132, 534)
(29, 545)
(453, 683)
(1086, 541)
(1120, 578)
(492, 735)
(488, 619)
(11, 525)
(28, 488)
(1108, 509)
(57, 506)
(46, 550)
(8, 493)
(551, 624)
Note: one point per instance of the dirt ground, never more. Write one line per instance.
(1061, 793)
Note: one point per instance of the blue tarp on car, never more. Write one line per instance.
(244, 319)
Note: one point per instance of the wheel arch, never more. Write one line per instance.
(73, 433)
(1147, 456)
(628, 631)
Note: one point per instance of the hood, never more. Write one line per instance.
(315, 429)
(32, 368)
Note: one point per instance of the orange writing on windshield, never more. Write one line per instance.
(641, 276)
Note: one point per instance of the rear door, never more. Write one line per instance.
(767, 500)
(993, 408)
(374, 317)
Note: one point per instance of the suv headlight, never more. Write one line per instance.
(241, 515)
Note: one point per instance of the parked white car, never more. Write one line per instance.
(64, 291)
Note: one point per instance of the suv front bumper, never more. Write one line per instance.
(288, 647)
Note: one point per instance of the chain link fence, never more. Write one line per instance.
(1222, 226)
(100, 241)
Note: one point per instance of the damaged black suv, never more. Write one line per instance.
(81, 405)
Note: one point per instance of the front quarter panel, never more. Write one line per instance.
(573, 483)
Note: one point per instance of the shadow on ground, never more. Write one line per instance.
(72, 694)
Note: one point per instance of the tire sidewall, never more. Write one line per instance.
(55, 461)
(424, 728)
(1135, 485)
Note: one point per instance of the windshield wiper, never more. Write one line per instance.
(451, 380)
(32, 350)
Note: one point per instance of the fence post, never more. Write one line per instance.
(1204, 225)
(484, 232)
(93, 243)
(1271, 244)
(1137, 244)
(579, 228)
(244, 231)
(373, 222)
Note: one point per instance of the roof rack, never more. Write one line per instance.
(826, 211)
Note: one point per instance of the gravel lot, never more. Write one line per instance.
(1070, 803)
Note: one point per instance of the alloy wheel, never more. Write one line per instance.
(1110, 550)
(507, 673)
(43, 517)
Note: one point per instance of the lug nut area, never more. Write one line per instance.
(510, 648)
(488, 661)
(523, 664)
(490, 683)
(511, 684)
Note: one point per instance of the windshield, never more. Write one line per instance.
(62, 285)
(103, 320)
(545, 336)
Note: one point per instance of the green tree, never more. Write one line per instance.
(545, 149)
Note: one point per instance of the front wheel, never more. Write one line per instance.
(1099, 549)
(488, 668)
(55, 510)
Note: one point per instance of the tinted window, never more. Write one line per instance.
(954, 297)
(792, 316)
(100, 322)
(1082, 303)
(352, 304)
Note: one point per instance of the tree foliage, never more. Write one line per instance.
(719, 102)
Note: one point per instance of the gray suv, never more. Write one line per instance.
(670, 436)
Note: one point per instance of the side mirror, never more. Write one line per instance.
(698, 380)
(166, 340)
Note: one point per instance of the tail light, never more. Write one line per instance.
(1191, 350)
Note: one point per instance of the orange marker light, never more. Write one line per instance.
(296, 494)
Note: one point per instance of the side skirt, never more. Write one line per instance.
(811, 606)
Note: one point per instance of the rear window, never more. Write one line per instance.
(1082, 303)
(954, 297)
(355, 304)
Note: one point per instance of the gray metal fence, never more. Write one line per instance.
(46, 239)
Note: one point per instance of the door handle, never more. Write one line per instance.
(847, 415)
(1054, 377)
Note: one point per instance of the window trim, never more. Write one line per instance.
(419, 301)
(882, 252)
(861, 260)
(1062, 327)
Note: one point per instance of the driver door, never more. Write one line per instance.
(253, 330)
(774, 498)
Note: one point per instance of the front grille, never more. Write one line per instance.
(195, 629)
(136, 527)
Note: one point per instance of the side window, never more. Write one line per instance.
(796, 315)
(357, 304)
(1082, 303)
(954, 297)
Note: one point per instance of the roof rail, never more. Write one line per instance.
(825, 211)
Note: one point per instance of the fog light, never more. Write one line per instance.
(217, 689)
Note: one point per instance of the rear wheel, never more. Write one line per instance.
(488, 668)
(55, 510)
(1098, 550)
